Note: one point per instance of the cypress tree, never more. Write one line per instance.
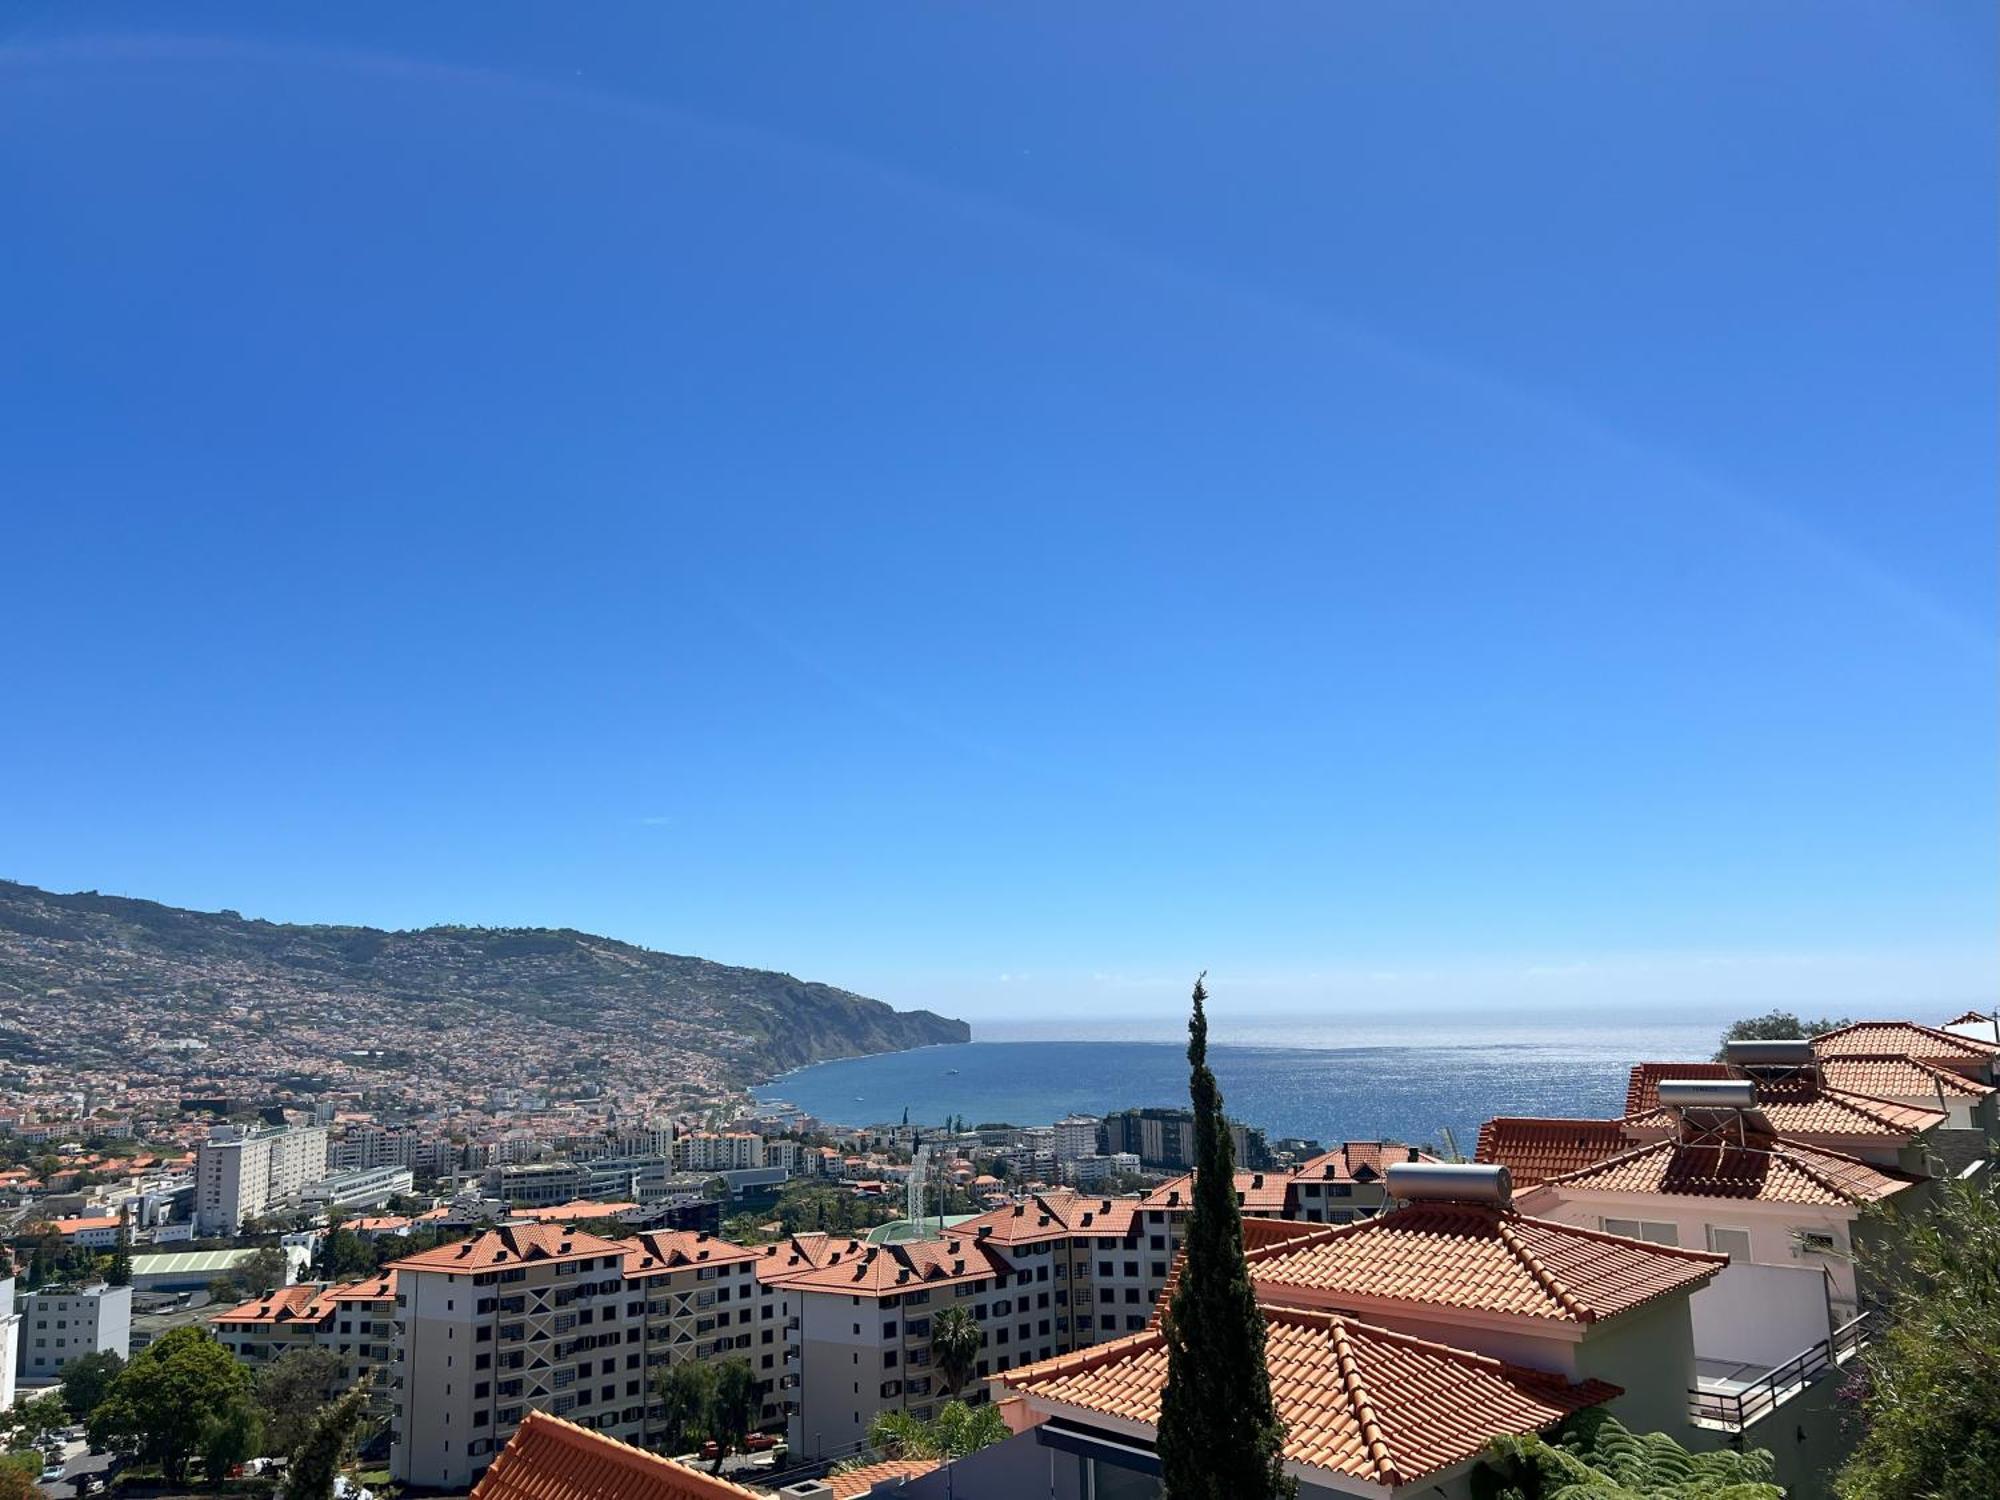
(1219, 1436)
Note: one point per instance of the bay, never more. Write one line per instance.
(1449, 1077)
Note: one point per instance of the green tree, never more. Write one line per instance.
(1775, 1026)
(292, 1389)
(161, 1406)
(704, 1403)
(17, 1481)
(734, 1404)
(326, 1446)
(87, 1378)
(231, 1436)
(1596, 1457)
(955, 1431)
(119, 1272)
(1930, 1384)
(260, 1274)
(37, 1419)
(686, 1391)
(1219, 1437)
(956, 1339)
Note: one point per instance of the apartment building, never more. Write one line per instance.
(1164, 1139)
(719, 1151)
(522, 1317)
(59, 1324)
(1076, 1136)
(367, 1187)
(241, 1173)
(354, 1321)
(10, 1334)
(703, 1301)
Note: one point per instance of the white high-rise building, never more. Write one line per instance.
(239, 1173)
(10, 1337)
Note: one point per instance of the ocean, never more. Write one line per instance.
(1336, 1078)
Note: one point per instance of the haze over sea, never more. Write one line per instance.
(1326, 1077)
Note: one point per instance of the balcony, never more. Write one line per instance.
(1733, 1398)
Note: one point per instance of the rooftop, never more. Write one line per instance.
(859, 1481)
(1770, 1170)
(511, 1245)
(1533, 1150)
(550, 1459)
(1480, 1258)
(1907, 1038)
(1355, 1399)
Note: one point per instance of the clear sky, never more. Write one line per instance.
(1003, 506)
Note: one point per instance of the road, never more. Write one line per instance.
(77, 1459)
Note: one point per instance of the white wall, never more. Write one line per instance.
(1761, 1315)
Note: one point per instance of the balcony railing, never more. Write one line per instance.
(1738, 1409)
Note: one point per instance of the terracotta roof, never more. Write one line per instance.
(1643, 1091)
(1356, 1400)
(1533, 1150)
(1971, 1018)
(1052, 1216)
(288, 1305)
(79, 1225)
(374, 1289)
(564, 1213)
(1263, 1193)
(659, 1252)
(799, 1253)
(855, 1482)
(1775, 1171)
(1800, 1111)
(865, 1270)
(1893, 1076)
(550, 1459)
(511, 1245)
(1926, 1043)
(1356, 1161)
(1479, 1258)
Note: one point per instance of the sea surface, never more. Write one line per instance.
(1409, 1079)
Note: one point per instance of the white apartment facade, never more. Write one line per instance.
(10, 1341)
(365, 1187)
(241, 1173)
(64, 1323)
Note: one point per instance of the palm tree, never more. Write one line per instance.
(956, 1340)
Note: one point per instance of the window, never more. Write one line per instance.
(1644, 1229)
(1734, 1243)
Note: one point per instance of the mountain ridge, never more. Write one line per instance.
(85, 962)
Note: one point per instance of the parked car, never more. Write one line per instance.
(760, 1442)
(51, 1472)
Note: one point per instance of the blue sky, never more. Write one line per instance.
(1001, 507)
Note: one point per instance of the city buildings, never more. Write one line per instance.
(241, 1173)
(62, 1323)
(365, 1187)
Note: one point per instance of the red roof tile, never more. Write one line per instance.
(303, 1304)
(1776, 1171)
(1356, 1400)
(1925, 1043)
(550, 1459)
(1533, 1150)
(659, 1252)
(1479, 1258)
(511, 1245)
(1892, 1076)
(856, 1482)
(1802, 1110)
